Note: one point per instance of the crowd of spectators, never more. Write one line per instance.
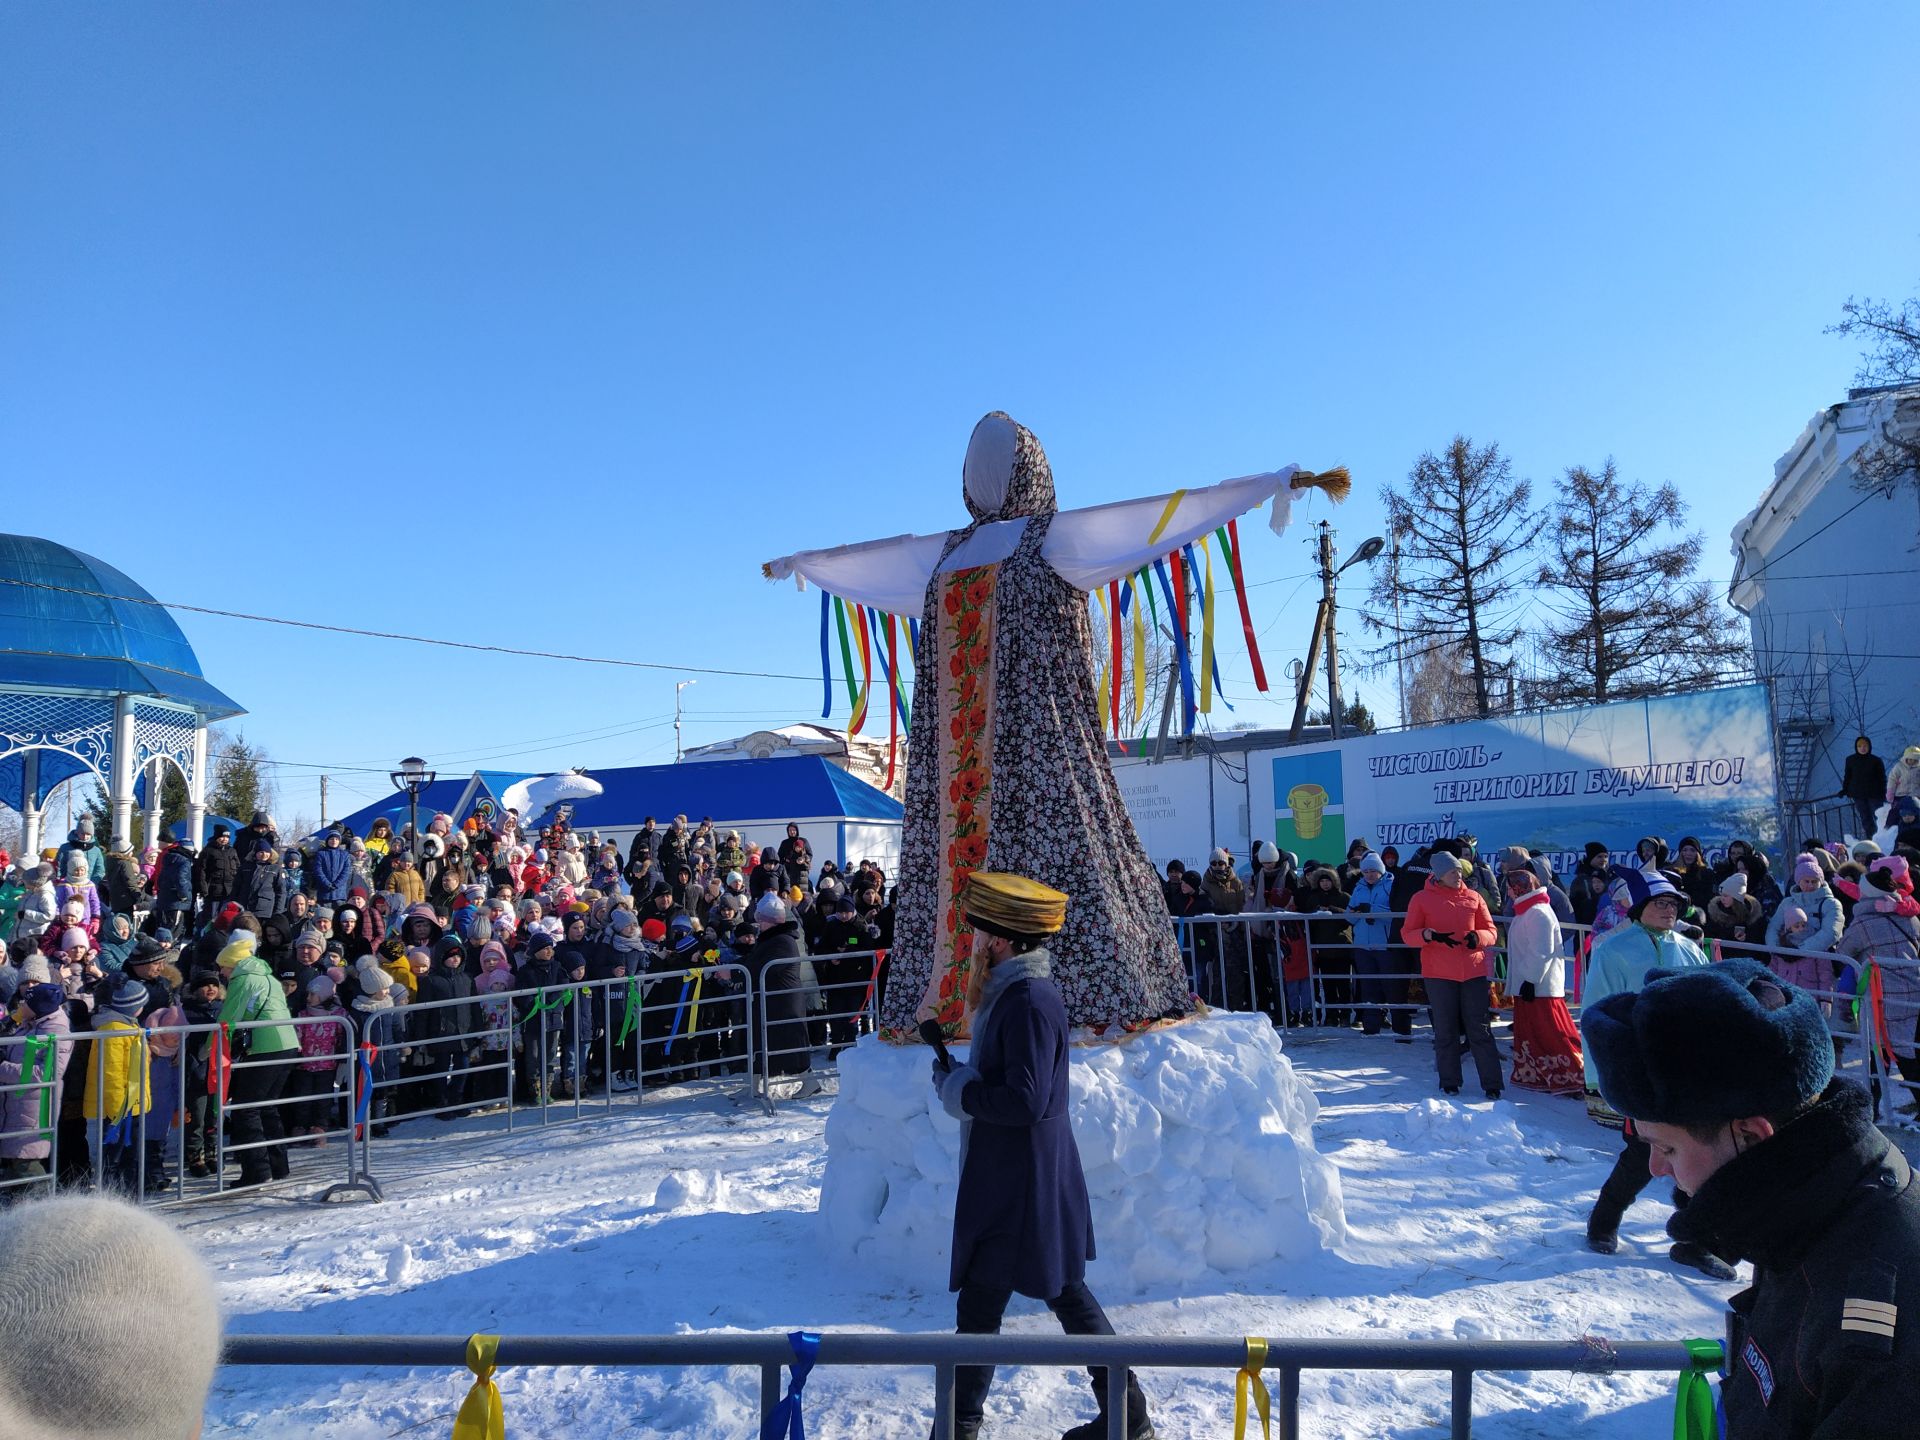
(1834, 908)
(335, 952)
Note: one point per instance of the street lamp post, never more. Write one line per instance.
(1323, 631)
(676, 716)
(413, 776)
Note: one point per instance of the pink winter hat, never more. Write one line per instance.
(75, 938)
(1808, 868)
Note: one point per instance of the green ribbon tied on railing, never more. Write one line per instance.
(38, 1056)
(549, 1000)
(1693, 1412)
(631, 1016)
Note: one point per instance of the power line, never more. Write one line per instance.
(414, 639)
(1772, 560)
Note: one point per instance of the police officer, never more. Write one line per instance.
(1725, 1072)
(1022, 1220)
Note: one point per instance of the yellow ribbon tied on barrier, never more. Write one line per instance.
(1249, 1376)
(480, 1416)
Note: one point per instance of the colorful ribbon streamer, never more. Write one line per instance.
(1877, 1011)
(785, 1421)
(220, 1064)
(481, 1417)
(631, 1017)
(893, 709)
(1166, 515)
(1131, 599)
(1246, 616)
(846, 654)
(1249, 1379)
(859, 717)
(1210, 666)
(39, 1053)
(363, 1102)
(826, 658)
(1113, 655)
(1693, 1417)
(1179, 646)
(691, 982)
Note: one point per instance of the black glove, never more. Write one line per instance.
(1526, 990)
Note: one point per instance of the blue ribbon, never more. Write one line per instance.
(913, 629)
(679, 1009)
(1188, 709)
(785, 1423)
(363, 1103)
(880, 651)
(826, 664)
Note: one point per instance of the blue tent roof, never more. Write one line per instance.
(178, 830)
(110, 640)
(441, 795)
(791, 787)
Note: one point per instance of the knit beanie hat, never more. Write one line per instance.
(44, 998)
(319, 990)
(1266, 852)
(1646, 885)
(75, 938)
(1808, 868)
(1792, 915)
(1442, 863)
(1708, 1044)
(82, 1276)
(1218, 857)
(1877, 884)
(129, 996)
(771, 910)
(33, 970)
(1372, 864)
(165, 1039)
(1734, 887)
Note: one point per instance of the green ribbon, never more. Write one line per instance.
(846, 651)
(39, 1053)
(632, 1014)
(549, 1000)
(1693, 1403)
(1146, 584)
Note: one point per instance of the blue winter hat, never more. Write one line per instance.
(44, 999)
(1643, 885)
(1707, 1044)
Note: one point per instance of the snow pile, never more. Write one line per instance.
(1197, 1142)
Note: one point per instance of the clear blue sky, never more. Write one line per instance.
(544, 324)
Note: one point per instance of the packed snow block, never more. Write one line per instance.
(1197, 1141)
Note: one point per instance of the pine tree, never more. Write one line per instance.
(239, 785)
(1463, 523)
(1619, 575)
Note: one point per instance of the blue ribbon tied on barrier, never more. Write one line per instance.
(785, 1422)
(679, 1009)
(363, 1102)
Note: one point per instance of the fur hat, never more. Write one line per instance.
(80, 1275)
(1709, 1043)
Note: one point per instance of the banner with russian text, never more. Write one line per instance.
(1699, 764)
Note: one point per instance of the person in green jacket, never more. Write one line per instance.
(264, 1054)
(1618, 966)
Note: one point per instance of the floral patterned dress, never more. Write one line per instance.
(1009, 771)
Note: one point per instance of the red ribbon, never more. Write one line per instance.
(220, 1064)
(879, 959)
(1246, 616)
(1877, 1003)
(893, 700)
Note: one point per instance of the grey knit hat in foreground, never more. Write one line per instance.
(83, 1282)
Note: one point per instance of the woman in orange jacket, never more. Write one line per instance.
(1454, 928)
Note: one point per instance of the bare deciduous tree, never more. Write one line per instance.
(1631, 619)
(1890, 337)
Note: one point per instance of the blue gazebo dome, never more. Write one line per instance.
(74, 624)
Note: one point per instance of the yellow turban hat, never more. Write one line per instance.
(1012, 906)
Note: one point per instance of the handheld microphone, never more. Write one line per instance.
(931, 1033)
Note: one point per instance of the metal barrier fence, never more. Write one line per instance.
(826, 1002)
(944, 1354)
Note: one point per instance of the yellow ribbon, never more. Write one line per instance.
(1166, 515)
(1139, 653)
(1107, 679)
(693, 1004)
(1206, 629)
(1250, 1375)
(480, 1416)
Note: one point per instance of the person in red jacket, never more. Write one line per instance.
(1453, 926)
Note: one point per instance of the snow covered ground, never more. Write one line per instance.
(694, 1214)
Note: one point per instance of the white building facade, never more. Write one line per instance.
(1828, 576)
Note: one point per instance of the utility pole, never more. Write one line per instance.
(1399, 638)
(1333, 643)
(323, 802)
(1322, 634)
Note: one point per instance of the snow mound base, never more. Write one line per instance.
(1197, 1142)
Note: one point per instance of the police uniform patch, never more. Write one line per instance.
(1760, 1368)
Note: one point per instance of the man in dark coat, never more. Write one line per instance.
(1022, 1220)
(1726, 1072)
(214, 871)
(781, 958)
(446, 1031)
(1864, 782)
(332, 867)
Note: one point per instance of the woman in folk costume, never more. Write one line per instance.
(1008, 765)
(1546, 1045)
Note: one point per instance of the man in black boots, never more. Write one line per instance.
(1022, 1220)
(1726, 1073)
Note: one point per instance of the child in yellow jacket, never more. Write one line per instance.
(119, 1089)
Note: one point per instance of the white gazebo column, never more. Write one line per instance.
(197, 788)
(150, 819)
(30, 807)
(120, 772)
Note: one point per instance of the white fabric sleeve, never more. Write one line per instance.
(1105, 542)
(890, 575)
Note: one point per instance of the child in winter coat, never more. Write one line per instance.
(119, 1088)
(375, 1023)
(200, 1004)
(314, 1084)
(78, 886)
(38, 907)
(1809, 921)
(36, 1060)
